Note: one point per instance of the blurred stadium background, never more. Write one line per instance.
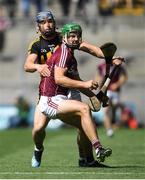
(101, 22)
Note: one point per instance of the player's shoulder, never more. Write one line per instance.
(65, 49)
(61, 49)
(61, 52)
(34, 42)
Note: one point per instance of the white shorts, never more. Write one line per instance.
(49, 105)
(114, 97)
(74, 94)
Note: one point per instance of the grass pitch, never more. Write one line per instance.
(60, 158)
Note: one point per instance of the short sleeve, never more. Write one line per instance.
(62, 55)
(33, 48)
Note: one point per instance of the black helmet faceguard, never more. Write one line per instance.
(48, 33)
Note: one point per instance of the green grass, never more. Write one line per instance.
(60, 156)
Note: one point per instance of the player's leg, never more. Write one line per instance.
(38, 134)
(59, 107)
(84, 144)
(86, 158)
(108, 112)
(86, 149)
(108, 121)
(86, 152)
(71, 107)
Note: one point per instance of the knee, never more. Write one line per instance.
(85, 109)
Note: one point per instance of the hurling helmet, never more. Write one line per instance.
(71, 28)
(41, 16)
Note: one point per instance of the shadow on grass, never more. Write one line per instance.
(127, 166)
(104, 166)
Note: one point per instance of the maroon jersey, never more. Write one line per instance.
(64, 58)
(121, 70)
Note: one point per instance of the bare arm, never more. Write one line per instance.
(31, 66)
(91, 49)
(87, 92)
(63, 80)
(97, 52)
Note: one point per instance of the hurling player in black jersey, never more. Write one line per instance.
(39, 50)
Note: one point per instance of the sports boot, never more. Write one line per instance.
(94, 163)
(102, 153)
(36, 159)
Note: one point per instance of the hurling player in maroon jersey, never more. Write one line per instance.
(113, 93)
(54, 102)
(42, 49)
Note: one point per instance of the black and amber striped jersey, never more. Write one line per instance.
(44, 48)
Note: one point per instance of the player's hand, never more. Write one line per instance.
(43, 70)
(91, 84)
(117, 60)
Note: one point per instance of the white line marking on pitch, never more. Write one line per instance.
(66, 173)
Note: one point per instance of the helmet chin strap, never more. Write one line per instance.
(65, 39)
